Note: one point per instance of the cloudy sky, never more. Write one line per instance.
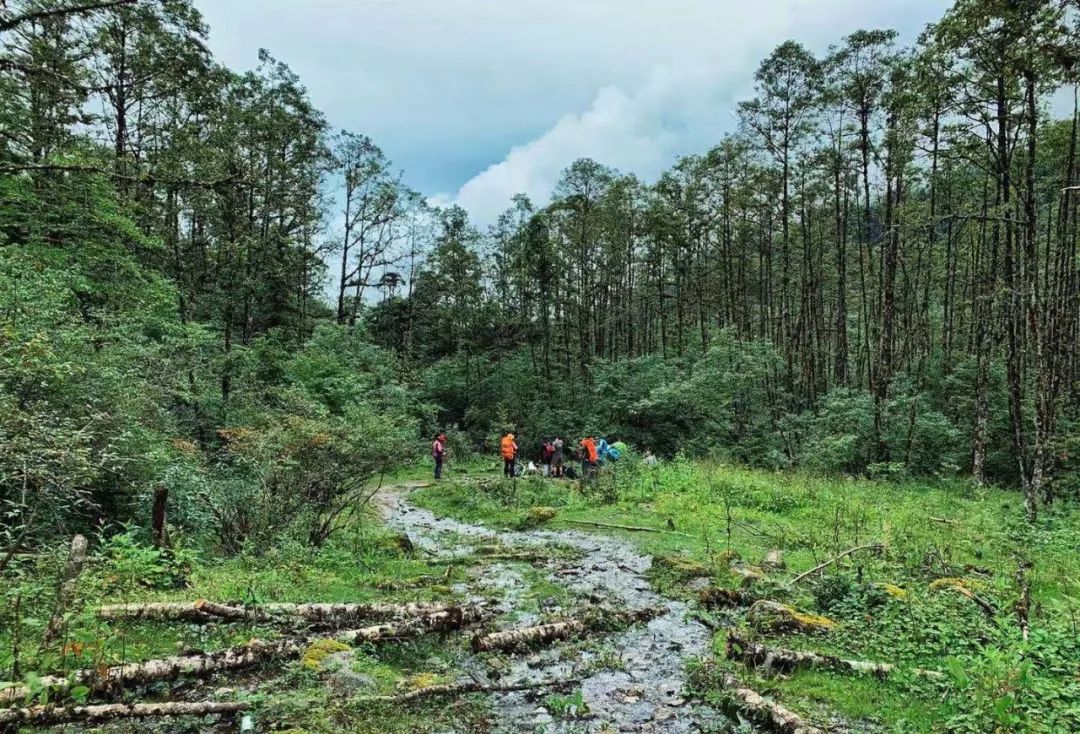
(477, 100)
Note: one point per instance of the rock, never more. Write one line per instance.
(953, 583)
(893, 590)
(539, 515)
(771, 616)
(749, 574)
(774, 560)
(699, 584)
(728, 556)
(319, 650)
(342, 677)
(680, 565)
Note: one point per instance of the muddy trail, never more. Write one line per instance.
(631, 681)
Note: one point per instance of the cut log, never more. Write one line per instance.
(451, 618)
(628, 528)
(239, 657)
(51, 715)
(834, 559)
(66, 591)
(756, 655)
(763, 712)
(459, 689)
(530, 637)
(324, 615)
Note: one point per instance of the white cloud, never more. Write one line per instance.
(674, 111)
(520, 88)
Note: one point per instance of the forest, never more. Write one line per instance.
(849, 331)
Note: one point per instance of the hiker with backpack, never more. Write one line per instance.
(547, 453)
(558, 455)
(508, 448)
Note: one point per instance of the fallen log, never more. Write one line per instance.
(522, 556)
(763, 712)
(51, 715)
(458, 689)
(755, 655)
(239, 657)
(451, 618)
(834, 559)
(309, 614)
(65, 592)
(628, 528)
(529, 637)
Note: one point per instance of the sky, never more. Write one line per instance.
(477, 100)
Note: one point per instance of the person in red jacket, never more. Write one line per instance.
(438, 453)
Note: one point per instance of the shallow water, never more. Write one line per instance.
(632, 681)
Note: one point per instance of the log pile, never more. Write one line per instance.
(248, 655)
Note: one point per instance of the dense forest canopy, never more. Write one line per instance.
(202, 282)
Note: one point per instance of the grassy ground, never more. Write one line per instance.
(361, 563)
(708, 515)
(929, 531)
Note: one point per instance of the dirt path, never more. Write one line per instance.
(631, 682)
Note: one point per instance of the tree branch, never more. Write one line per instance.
(148, 178)
(7, 25)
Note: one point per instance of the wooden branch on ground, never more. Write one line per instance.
(458, 689)
(530, 637)
(52, 715)
(66, 590)
(241, 656)
(629, 528)
(309, 614)
(834, 559)
(945, 520)
(521, 556)
(756, 655)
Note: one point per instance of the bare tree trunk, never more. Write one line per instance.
(66, 591)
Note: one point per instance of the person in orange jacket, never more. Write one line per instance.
(508, 448)
(589, 457)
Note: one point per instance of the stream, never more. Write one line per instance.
(631, 681)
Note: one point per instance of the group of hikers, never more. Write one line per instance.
(591, 452)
